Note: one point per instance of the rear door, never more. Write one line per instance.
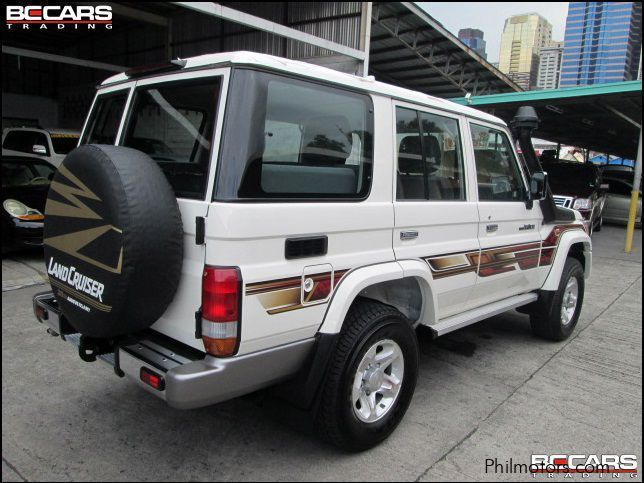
(176, 120)
(508, 231)
(436, 215)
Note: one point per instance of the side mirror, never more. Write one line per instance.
(538, 185)
(39, 149)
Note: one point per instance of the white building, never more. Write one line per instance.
(550, 66)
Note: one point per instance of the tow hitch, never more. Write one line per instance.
(89, 348)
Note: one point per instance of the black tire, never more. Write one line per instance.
(600, 223)
(367, 323)
(546, 318)
(113, 240)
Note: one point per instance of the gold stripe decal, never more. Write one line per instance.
(285, 294)
(73, 243)
(83, 298)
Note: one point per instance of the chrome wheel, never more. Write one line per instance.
(377, 381)
(569, 301)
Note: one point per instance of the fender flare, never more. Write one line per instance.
(358, 280)
(563, 248)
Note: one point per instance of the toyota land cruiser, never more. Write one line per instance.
(236, 220)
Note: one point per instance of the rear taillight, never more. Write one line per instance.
(220, 310)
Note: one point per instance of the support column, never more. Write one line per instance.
(365, 37)
(635, 195)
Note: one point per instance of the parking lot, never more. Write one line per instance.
(488, 391)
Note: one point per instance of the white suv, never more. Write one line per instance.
(237, 220)
(49, 144)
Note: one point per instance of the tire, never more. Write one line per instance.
(113, 240)
(547, 320)
(368, 326)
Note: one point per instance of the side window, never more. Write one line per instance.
(24, 141)
(105, 119)
(430, 162)
(173, 123)
(293, 139)
(497, 170)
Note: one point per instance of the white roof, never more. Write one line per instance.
(329, 75)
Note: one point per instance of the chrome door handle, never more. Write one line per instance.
(492, 228)
(408, 235)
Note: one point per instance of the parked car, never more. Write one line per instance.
(305, 224)
(618, 198)
(578, 186)
(25, 183)
(49, 144)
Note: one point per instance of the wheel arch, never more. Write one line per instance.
(574, 244)
(404, 285)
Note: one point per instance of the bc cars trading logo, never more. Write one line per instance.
(585, 464)
(59, 17)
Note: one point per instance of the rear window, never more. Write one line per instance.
(290, 139)
(173, 123)
(105, 118)
(24, 141)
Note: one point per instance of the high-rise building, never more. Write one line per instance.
(602, 43)
(550, 66)
(473, 38)
(523, 37)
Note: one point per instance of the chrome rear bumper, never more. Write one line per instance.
(191, 379)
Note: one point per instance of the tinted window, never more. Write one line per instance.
(430, 164)
(497, 170)
(63, 143)
(173, 123)
(24, 141)
(286, 138)
(105, 119)
(25, 174)
(618, 187)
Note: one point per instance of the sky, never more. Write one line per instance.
(490, 18)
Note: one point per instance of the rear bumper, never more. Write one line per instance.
(191, 380)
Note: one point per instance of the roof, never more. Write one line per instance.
(602, 117)
(411, 48)
(304, 69)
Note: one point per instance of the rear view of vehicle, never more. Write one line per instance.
(51, 145)
(238, 220)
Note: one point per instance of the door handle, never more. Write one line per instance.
(408, 235)
(492, 228)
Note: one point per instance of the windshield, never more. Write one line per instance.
(64, 143)
(566, 177)
(16, 174)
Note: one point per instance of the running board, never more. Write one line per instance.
(459, 321)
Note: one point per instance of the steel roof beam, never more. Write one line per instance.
(258, 23)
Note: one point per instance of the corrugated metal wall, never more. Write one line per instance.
(134, 43)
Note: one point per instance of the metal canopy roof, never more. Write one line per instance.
(603, 117)
(411, 49)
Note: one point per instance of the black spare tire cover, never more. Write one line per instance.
(113, 240)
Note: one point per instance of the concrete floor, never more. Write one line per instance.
(488, 391)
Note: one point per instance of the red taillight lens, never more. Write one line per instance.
(220, 295)
(152, 379)
(220, 299)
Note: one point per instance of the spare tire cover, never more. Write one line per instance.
(113, 240)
